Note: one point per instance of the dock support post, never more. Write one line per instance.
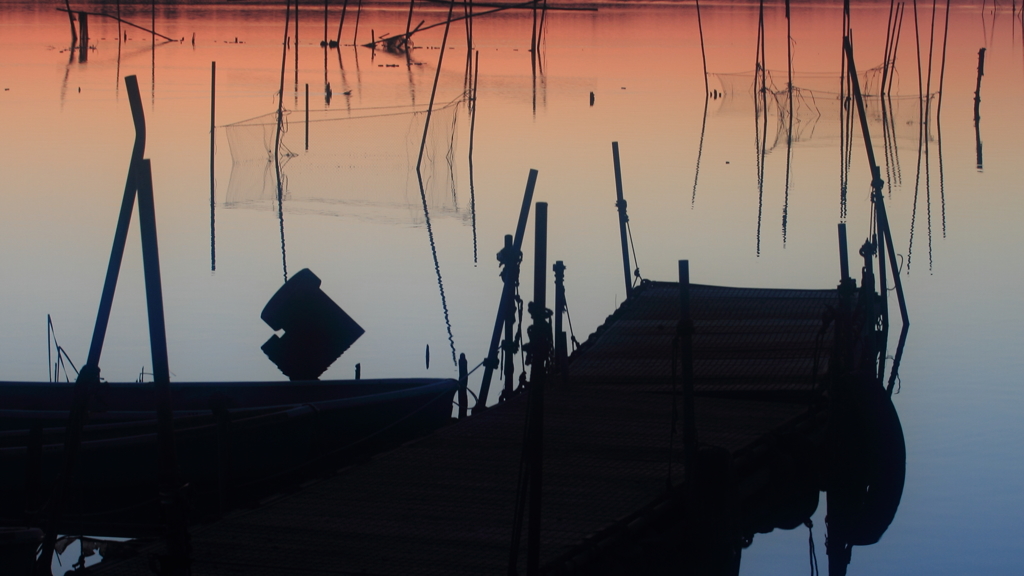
(171, 498)
(561, 360)
(620, 203)
(844, 254)
(463, 381)
(491, 362)
(540, 347)
(686, 347)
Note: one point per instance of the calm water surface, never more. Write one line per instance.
(412, 278)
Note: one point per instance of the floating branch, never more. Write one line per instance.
(112, 17)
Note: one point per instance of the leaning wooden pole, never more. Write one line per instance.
(89, 376)
(876, 185)
(620, 203)
(491, 362)
(433, 91)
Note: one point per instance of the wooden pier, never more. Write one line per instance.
(613, 467)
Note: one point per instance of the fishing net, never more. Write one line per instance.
(817, 105)
(356, 158)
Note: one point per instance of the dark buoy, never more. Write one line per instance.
(316, 330)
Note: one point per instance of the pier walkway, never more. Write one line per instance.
(444, 504)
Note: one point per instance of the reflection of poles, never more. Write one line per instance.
(277, 138)
(977, 105)
(437, 267)
(472, 131)
(789, 130)
(296, 90)
(760, 109)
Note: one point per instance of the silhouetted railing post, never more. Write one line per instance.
(540, 350)
(463, 381)
(510, 259)
(686, 349)
(844, 254)
(491, 362)
(560, 343)
(620, 203)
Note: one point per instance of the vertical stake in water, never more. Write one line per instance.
(491, 361)
(620, 203)
(463, 381)
(307, 116)
(510, 275)
(540, 342)
(213, 182)
(844, 254)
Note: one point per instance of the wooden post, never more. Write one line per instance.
(491, 362)
(844, 254)
(463, 381)
(510, 276)
(83, 34)
(561, 353)
(359, 371)
(89, 375)
(540, 341)
(171, 498)
(307, 116)
(213, 181)
(686, 348)
(620, 203)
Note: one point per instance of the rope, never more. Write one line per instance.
(572, 335)
(636, 270)
(810, 542)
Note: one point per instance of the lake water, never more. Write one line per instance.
(420, 271)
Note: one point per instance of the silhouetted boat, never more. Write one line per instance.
(236, 441)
